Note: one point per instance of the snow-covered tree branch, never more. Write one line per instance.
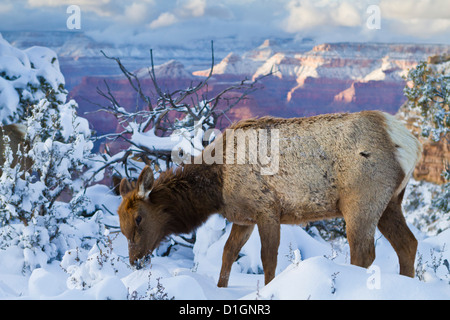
(175, 119)
(428, 90)
(26, 77)
(55, 153)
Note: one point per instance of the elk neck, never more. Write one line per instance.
(189, 194)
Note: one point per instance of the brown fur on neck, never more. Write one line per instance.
(189, 194)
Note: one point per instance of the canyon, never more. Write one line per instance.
(307, 78)
(336, 77)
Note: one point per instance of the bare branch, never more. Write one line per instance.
(131, 76)
(185, 106)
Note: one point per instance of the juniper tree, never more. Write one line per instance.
(428, 91)
(32, 214)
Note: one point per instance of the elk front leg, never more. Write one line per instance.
(238, 237)
(270, 240)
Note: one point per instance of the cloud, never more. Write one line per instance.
(303, 15)
(415, 9)
(184, 9)
(323, 20)
(136, 12)
(427, 29)
(346, 15)
(191, 8)
(165, 19)
(401, 20)
(5, 7)
(101, 7)
(118, 11)
(421, 18)
(308, 14)
(195, 10)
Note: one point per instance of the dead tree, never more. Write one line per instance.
(183, 109)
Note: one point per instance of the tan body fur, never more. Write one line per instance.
(343, 165)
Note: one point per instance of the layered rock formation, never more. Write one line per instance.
(432, 164)
(435, 155)
(307, 79)
(327, 78)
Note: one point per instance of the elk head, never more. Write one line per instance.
(141, 221)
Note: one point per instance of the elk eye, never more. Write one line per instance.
(138, 220)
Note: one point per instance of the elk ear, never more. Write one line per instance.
(145, 182)
(125, 187)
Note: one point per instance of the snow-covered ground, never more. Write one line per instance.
(87, 258)
(308, 268)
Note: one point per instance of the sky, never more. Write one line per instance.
(176, 21)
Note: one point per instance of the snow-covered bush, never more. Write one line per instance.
(420, 208)
(32, 214)
(26, 77)
(87, 268)
(428, 90)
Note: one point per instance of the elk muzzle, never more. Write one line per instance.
(138, 258)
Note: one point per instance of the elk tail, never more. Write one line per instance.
(408, 148)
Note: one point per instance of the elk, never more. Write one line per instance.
(16, 134)
(350, 165)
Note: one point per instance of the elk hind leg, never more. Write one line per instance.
(270, 241)
(393, 226)
(238, 237)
